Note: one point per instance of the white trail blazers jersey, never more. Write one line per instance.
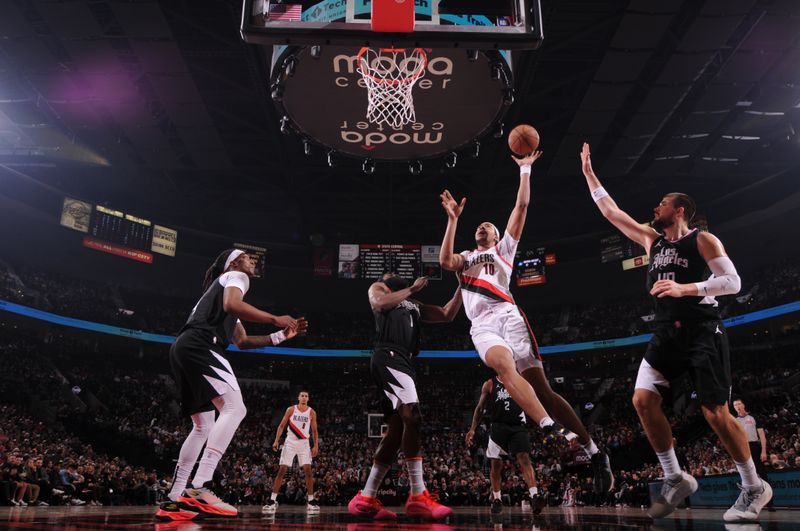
(299, 425)
(486, 277)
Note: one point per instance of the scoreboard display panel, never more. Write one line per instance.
(376, 259)
(369, 261)
(113, 226)
(531, 266)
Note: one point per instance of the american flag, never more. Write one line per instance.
(285, 12)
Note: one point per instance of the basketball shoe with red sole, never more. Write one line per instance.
(368, 507)
(171, 511)
(424, 505)
(206, 502)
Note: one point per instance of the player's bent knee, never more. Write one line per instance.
(645, 400)
(500, 359)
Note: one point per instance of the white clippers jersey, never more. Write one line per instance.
(486, 277)
(299, 425)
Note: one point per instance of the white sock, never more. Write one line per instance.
(669, 462)
(310, 497)
(747, 470)
(534, 491)
(590, 448)
(273, 496)
(496, 494)
(231, 412)
(545, 422)
(208, 464)
(190, 451)
(376, 475)
(415, 475)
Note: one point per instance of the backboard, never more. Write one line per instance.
(473, 24)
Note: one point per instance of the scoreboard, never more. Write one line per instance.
(118, 233)
(370, 261)
(618, 248)
(531, 266)
(113, 226)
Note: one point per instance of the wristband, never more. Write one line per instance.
(525, 168)
(599, 193)
(277, 338)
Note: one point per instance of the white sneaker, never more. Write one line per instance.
(313, 506)
(672, 493)
(23, 503)
(58, 492)
(749, 504)
(525, 505)
(270, 507)
(76, 502)
(43, 503)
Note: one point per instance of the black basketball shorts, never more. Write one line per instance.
(699, 350)
(395, 377)
(201, 372)
(508, 440)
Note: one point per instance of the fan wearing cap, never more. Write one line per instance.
(206, 382)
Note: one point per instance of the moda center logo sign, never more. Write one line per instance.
(455, 101)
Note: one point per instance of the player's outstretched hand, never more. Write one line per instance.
(283, 321)
(586, 160)
(530, 159)
(469, 437)
(450, 206)
(419, 284)
(299, 328)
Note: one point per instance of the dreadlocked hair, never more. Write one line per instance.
(216, 269)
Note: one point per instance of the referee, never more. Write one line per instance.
(756, 438)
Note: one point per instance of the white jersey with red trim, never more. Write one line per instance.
(486, 277)
(299, 425)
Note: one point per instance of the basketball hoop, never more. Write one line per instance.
(390, 75)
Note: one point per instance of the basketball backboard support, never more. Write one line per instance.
(469, 24)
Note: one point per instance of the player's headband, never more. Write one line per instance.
(497, 232)
(236, 253)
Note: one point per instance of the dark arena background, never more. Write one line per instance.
(141, 138)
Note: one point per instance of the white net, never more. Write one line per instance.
(390, 75)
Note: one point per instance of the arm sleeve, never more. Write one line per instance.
(235, 279)
(724, 281)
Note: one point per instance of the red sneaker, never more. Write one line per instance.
(369, 507)
(424, 505)
(171, 511)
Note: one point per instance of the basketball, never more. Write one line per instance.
(523, 140)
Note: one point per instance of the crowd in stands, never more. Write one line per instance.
(142, 310)
(87, 421)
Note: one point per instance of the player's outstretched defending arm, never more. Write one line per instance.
(441, 314)
(233, 304)
(477, 415)
(447, 257)
(243, 341)
(381, 298)
(516, 221)
(314, 433)
(281, 427)
(644, 235)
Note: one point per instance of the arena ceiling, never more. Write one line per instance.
(159, 109)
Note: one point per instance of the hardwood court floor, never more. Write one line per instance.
(337, 518)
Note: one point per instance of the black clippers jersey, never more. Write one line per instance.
(680, 261)
(398, 328)
(208, 314)
(502, 408)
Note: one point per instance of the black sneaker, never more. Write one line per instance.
(497, 506)
(537, 503)
(555, 431)
(603, 476)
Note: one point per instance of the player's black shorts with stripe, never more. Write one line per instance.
(393, 373)
(200, 370)
(512, 439)
(699, 349)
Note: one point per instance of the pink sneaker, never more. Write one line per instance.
(368, 507)
(425, 505)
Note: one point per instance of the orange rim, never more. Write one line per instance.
(404, 81)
